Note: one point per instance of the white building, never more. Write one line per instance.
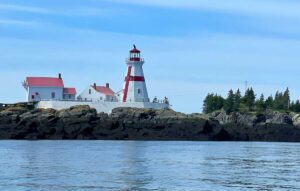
(52, 94)
(47, 88)
(96, 93)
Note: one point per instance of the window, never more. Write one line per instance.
(139, 91)
(90, 91)
(70, 96)
(53, 95)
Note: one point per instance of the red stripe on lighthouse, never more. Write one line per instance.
(135, 78)
(127, 79)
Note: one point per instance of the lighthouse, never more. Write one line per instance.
(134, 89)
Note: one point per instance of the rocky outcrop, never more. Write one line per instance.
(82, 122)
(268, 117)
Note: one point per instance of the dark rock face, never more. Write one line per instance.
(82, 122)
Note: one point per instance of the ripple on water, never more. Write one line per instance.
(142, 165)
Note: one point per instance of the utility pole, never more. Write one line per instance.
(246, 85)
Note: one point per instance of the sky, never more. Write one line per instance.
(191, 47)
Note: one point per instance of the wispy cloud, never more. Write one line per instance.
(267, 7)
(30, 9)
(16, 22)
(71, 11)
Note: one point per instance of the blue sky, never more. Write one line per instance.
(191, 47)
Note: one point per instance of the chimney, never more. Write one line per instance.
(59, 76)
(107, 85)
(95, 85)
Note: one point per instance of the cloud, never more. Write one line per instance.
(253, 7)
(16, 22)
(30, 9)
(70, 11)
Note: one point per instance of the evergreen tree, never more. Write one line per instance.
(229, 103)
(207, 104)
(260, 104)
(237, 100)
(269, 102)
(249, 99)
(236, 103)
(212, 103)
(295, 106)
(286, 99)
(282, 100)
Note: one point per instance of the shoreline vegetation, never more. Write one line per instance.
(250, 103)
(23, 121)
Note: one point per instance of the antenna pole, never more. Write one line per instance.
(246, 85)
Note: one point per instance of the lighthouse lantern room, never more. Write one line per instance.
(135, 89)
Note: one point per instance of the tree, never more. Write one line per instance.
(249, 99)
(229, 103)
(295, 106)
(269, 102)
(237, 101)
(212, 103)
(260, 104)
(286, 99)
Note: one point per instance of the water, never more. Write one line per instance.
(129, 165)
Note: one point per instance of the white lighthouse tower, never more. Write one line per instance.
(135, 89)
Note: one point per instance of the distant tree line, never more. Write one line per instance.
(235, 102)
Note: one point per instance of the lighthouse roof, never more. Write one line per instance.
(135, 50)
(44, 82)
(104, 90)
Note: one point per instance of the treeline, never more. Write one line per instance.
(235, 102)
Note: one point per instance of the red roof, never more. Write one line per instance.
(70, 91)
(44, 82)
(104, 90)
(135, 50)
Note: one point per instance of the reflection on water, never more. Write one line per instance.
(141, 165)
(134, 172)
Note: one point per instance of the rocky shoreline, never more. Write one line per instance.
(20, 121)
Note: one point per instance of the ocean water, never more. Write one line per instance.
(143, 165)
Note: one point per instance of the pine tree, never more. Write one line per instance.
(286, 99)
(212, 103)
(229, 103)
(260, 104)
(295, 106)
(269, 102)
(207, 104)
(237, 100)
(249, 99)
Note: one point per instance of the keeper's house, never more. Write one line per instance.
(96, 93)
(47, 88)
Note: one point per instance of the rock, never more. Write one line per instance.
(83, 122)
(275, 117)
(296, 120)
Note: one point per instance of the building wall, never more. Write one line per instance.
(69, 97)
(95, 96)
(44, 93)
(100, 106)
(133, 92)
